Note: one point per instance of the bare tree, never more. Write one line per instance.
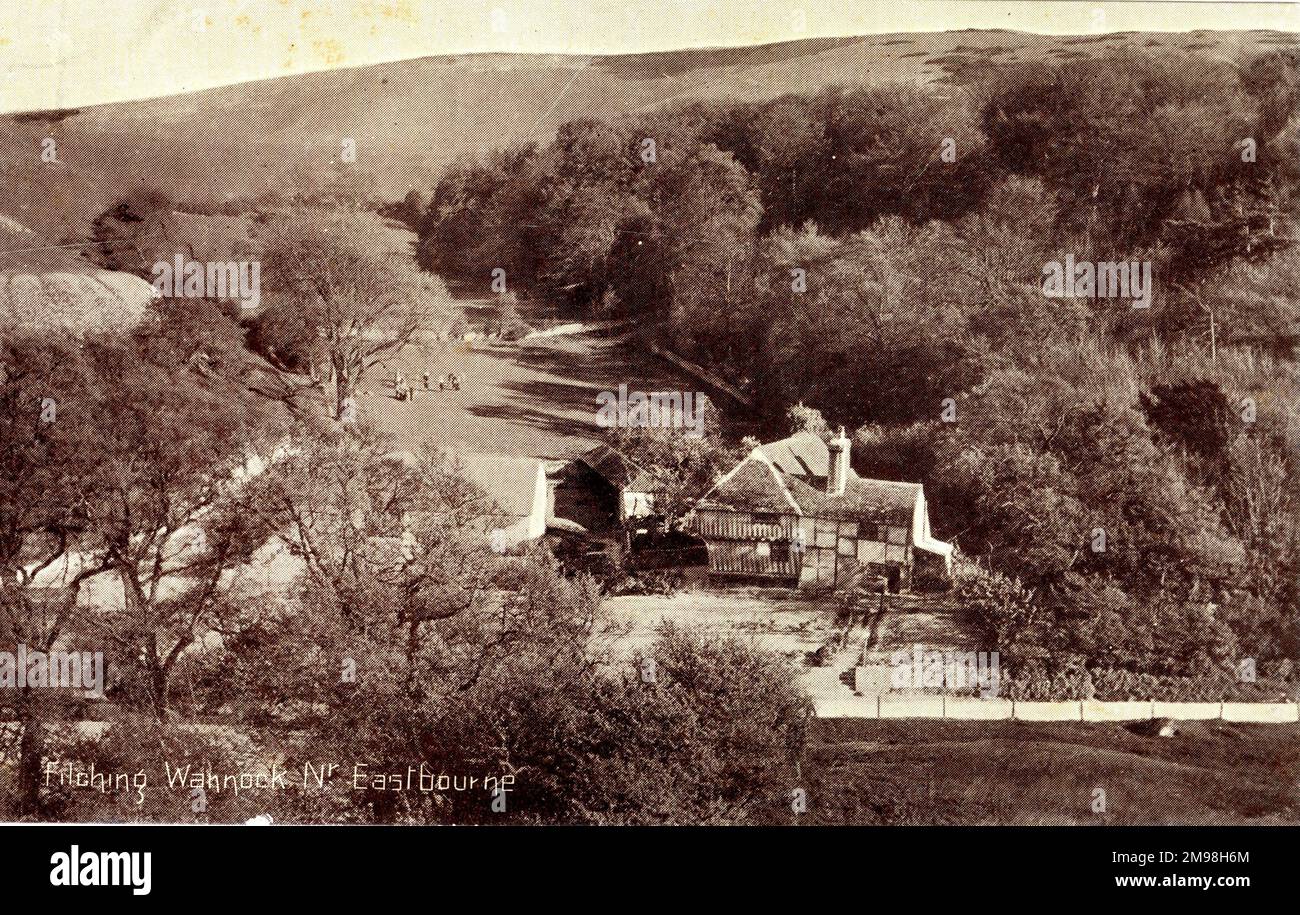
(171, 451)
(412, 539)
(364, 303)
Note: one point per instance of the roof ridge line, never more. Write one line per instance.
(776, 475)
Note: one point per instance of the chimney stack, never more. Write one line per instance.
(837, 473)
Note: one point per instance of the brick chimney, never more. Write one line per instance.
(837, 471)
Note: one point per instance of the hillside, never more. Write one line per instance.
(1025, 774)
(46, 286)
(410, 118)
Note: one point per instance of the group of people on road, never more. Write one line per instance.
(403, 391)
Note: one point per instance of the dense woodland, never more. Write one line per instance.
(1117, 481)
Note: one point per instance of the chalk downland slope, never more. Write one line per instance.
(47, 286)
(410, 118)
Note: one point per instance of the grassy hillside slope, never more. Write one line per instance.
(410, 118)
(1018, 773)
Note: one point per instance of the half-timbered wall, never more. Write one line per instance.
(818, 552)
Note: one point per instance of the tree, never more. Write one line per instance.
(47, 412)
(285, 336)
(410, 535)
(401, 612)
(664, 738)
(637, 216)
(483, 215)
(744, 748)
(118, 449)
(808, 419)
(1076, 499)
(171, 450)
(1194, 415)
(132, 234)
(686, 233)
(409, 211)
(1142, 149)
(363, 305)
(683, 464)
(859, 326)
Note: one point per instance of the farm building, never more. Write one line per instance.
(603, 489)
(514, 488)
(795, 513)
(517, 489)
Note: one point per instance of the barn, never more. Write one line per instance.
(796, 514)
(515, 489)
(603, 489)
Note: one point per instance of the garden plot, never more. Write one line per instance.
(793, 625)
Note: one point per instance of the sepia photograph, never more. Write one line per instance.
(619, 413)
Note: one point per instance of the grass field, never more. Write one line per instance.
(1023, 773)
(935, 772)
(536, 399)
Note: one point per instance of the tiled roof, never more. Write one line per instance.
(802, 455)
(879, 501)
(752, 486)
(618, 469)
(801, 463)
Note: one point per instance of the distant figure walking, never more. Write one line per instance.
(426, 381)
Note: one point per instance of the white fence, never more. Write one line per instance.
(971, 709)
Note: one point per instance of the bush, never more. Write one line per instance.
(651, 581)
(1033, 683)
